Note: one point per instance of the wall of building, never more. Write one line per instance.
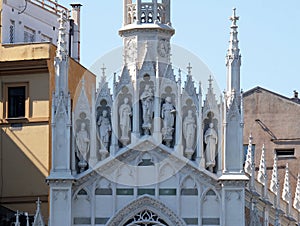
(25, 156)
(43, 23)
(273, 120)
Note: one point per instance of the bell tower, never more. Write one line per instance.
(146, 31)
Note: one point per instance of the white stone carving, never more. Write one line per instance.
(163, 48)
(83, 145)
(296, 203)
(274, 185)
(189, 132)
(286, 192)
(211, 140)
(125, 121)
(104, 130)
(248, 162)
(38, 218)
(147, 105)
(168, 115)
(146, 203)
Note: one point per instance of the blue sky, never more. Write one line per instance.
(269, 34)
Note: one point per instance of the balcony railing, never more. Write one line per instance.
(51, 6)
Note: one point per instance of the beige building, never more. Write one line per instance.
(273, 120)
(27, 82)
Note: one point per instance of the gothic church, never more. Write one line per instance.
(151, 149)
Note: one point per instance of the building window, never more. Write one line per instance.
(16, 100)
(45, 38)
(285, 153)
(124, 191)
(12, 32)
(29, 34)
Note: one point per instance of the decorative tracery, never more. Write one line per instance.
(146, 218)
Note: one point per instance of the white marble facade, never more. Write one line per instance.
(149, 150)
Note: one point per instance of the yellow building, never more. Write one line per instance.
(27, 81)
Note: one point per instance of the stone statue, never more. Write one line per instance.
(125, 123)
(189, 130)
(211, 140)
(82, 142)
(147, 104)
(104, 130)
(167, 113)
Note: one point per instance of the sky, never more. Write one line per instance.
(269, 34)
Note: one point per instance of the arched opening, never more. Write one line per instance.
(146, 211)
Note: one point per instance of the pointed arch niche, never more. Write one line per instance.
(146, 211)
(210, 208)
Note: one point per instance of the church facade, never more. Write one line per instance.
(152, 149)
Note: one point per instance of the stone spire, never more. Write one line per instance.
(61, 51)
(38, 218)
(233, 57)
(17, 223)
(286, 192)
(248, 162)
(262, 173)
(233, 120)
(296, 203)
(61, 59)
(274, 185)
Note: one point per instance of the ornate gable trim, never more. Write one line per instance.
(146, 203)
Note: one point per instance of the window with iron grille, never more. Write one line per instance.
(29, 35)
(12, 32)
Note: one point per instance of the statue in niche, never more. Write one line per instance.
(211, 140)
(189, 130)
(125, 123)
(168, 115)
(147, 105)
(104, 130)
(83, 145)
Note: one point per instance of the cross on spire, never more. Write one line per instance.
(103, 70)
(234, 18)
(189, 67)
(210, 80)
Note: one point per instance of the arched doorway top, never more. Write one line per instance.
(146, 209)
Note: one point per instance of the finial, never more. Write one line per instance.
(38, 204)
(189, 67)
(38, 218)
(234, 18)
(296, 203)
(179, 74)
(17, 223)
(210, 80)
(274, 186)
(103, 77)
(103, 70)
(61, 52)
(146, 45)
(115, 78)
(200, 88)
(248, 163)
(286, 192)
(261, 176)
